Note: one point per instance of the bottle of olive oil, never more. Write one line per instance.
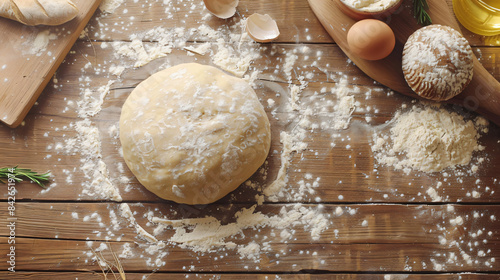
(479, 16)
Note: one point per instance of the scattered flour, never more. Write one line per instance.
(41, 42)
(235, 60)
(109, 6)
(88, 144)
(136, 50)
(127, 252)
(127, 213)
(470, 252)
(281, 179)
(346, 105)
(250, 251)
(90, 105)
(202, 49)
(208, 234)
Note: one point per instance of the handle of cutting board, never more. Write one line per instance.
(482, 94)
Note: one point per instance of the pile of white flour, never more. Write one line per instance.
(429, 139)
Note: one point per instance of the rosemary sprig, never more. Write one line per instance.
(420, 8)
(18, 174)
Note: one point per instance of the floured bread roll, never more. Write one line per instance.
(437, 62)
(37, 12)
(193, 134)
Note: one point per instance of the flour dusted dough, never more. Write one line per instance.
(192, 133)
(437, 62)
(38, 12)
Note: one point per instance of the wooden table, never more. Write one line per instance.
(389, 227)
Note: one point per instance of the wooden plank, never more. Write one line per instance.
(368, 223)
(371, 238)
(241, 276)
(71, 255)
(26, 67)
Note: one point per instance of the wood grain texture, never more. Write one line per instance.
(284, 276)
(389, 224)
(395, 230)
(40, 254)
(27, 66)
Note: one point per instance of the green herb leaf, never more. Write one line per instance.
(19, 174)
(420, 8)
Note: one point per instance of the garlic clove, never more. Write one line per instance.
(221, 8)
(262, 28)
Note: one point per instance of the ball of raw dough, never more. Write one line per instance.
(192, 134)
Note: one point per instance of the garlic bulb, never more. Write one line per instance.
(262, 28)
(221, 8)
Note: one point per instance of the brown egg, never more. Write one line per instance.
(371, 39)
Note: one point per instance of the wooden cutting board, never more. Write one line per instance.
(481, 95)
(29, 57)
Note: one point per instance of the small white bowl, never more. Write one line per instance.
(359, 14)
